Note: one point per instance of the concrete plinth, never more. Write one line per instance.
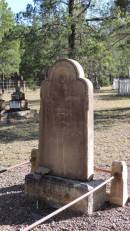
(58, 191)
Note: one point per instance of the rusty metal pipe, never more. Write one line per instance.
(102, 170)
(14, 166)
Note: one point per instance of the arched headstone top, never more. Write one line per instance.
(66, 69)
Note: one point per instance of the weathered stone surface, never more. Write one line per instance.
(58, 191)
(119, 186)
(66, 122)
(65, 153)
(33, 160)
(42, 171)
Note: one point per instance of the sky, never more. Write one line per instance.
(18, 5)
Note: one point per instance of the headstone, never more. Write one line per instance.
(18, 107)
(66, 122)
(18, 101)
(62, 167)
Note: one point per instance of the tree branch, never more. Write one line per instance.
(100, 19)
(85, 8)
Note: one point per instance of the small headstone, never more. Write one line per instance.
(18, 101)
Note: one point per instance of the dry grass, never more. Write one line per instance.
(108, 99)
(16, 142)
(112, 141)
(112, 131)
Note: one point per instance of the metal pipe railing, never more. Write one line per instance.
(27, 162)
(102, 170)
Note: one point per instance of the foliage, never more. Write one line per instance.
(9, 49)
(96, 34)
(9, 57)
(6, 18)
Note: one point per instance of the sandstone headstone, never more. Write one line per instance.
(63, 164)
(33, 160)
(66, 122)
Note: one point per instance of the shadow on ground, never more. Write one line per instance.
(29, 130)
(113, 97)
(107, 118)
(10, 189)
(16, 209)
(19, 132)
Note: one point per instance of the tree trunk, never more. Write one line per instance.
(71, 37)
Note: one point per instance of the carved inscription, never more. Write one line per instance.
(62, 107)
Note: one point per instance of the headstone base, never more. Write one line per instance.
(58, 191)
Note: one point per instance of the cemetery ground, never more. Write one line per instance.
(112, 142)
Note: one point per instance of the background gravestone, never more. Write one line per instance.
(66, 122)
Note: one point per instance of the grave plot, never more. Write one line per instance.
(17, 212)
(63, 166)
(13, 192)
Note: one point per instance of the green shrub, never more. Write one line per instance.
(104, 81)
(31, 84)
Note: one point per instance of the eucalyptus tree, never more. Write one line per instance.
(9, 49)
(87, 30)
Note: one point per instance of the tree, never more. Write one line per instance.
(6, 18)
(71, 28)
(9, 49)
(123, 4)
